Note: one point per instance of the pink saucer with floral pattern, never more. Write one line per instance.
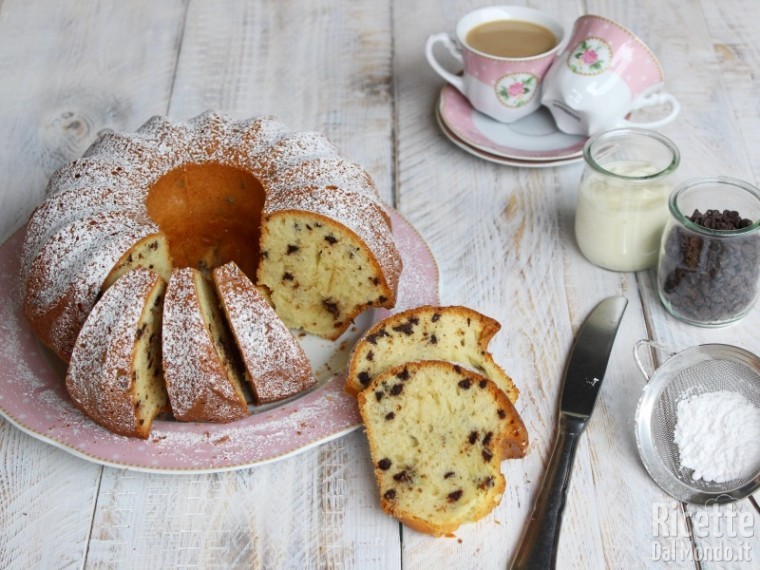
(532, 138)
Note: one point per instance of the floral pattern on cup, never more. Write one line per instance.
(590, 57)
(516, 89)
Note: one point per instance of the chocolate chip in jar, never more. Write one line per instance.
(709, 267)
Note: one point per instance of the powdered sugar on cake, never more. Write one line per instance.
(275, 362)
(195, 378)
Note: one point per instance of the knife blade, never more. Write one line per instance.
(582, 383)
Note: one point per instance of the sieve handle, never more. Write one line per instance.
(645, 342)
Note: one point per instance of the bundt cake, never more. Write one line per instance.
(435, 433)
(115, 371)
(456, 334)
(288, 209)
(275, 364)
(204, 382)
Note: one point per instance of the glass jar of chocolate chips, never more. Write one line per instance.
(709, 263)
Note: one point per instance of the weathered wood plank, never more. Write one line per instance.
(69, 69)
(322, 66)
(72, 69)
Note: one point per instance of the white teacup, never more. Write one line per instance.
(505, 88)
(604, 73)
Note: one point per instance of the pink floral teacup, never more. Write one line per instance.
(604, 73)
(505, 88)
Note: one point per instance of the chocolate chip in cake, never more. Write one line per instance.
(455, 496)
(433, 339)
(384, 464)
(292, 248)
(407, 328)
(397, 389)
(331, 239)
(465, 384)
(487, 438)
(402, 477)
(403, 375)
(370, 356)
(389, 416)
(435, 317)
(364, 378)
(457, 369)
(382, 299)
(331, 307)
(486, 483)
(502, 414)
(487, 455)
(379, 395)
(483, 383)
(287, 276)
(473, 437)
(448, 475)
(390, 494)
(372, 338)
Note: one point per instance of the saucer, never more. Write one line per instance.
(500, 159)
(532, 138)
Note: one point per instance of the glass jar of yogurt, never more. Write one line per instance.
(623, 196)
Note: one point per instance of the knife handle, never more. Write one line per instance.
(537, 549)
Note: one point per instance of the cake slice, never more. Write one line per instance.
(202, 379)
(454, 333)
(115, 371)
(435, 432)
(326, 256)
(276, 366)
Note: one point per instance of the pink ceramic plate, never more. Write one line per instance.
(33, 397)
(498, 159)
(532, 138)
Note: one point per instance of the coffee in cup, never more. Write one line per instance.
(604, 73)
(506, 52)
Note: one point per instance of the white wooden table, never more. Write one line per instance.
(502, 237)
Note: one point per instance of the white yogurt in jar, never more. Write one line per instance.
(619, 221)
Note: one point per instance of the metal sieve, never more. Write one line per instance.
(694, 371)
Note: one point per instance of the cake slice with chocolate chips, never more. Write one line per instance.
(454, 333)
(436, 434)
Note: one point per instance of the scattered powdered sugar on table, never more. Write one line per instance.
(717, 435)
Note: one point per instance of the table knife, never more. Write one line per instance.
(582, 381)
